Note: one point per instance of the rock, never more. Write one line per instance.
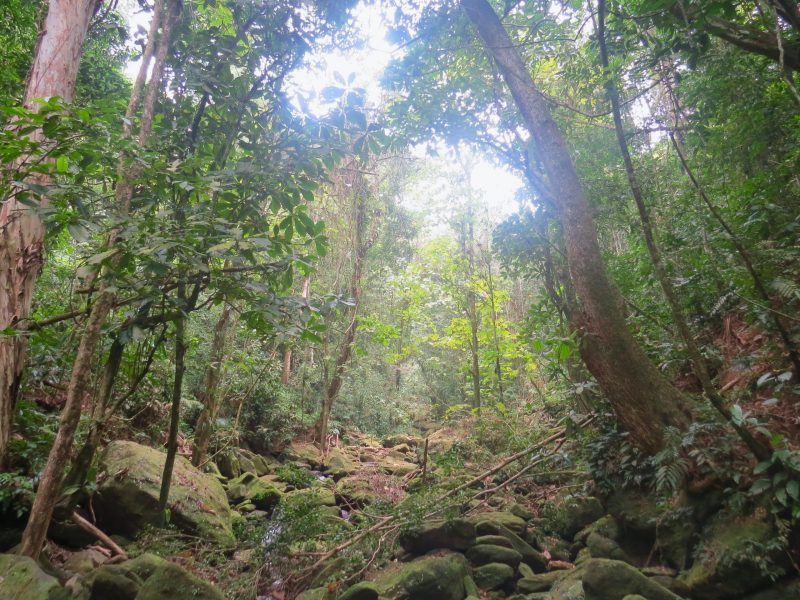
(252, 462)
(520, 511)
(228, 464)
(493, 576)
(674, 585)
(320, 593)
(576, 513)
(396, 465)
(525, 571)
(558, 548)
(361, 591)
(506, 519)
(356, 491)
(170, 582)
(246, 465)
(531, 557)
(84, 561)
(495, 540)
(602, 547)
(426, 578)
(732, 557)
(144, 565)
(470, 587)
(606, 526)
(396, 440)
(457, 534)
(403, 448)
(128, 497)
(635, 512)
(262, 494)
(789, 590)
(605, 579)
(634, 597)
(539, 583)
(318, 496)
(112, 582)
(482, 555)
(339, 464)
(22, 579)
(300, 452)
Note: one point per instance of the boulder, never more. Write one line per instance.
(603, 547)
(732, 558)
(531, 584)
(262, 494)
(531, 557)
(360, 591)
(127, 499)
(493, 576)
(788, 590)
(84, 561)
(470, 587)
(520, 511)
(320, 593)
(339, 464)
(144, 565)
(22, 579)
(170, 582)
(457, 534)
(399, 439)
(577, 512)
(356, 491)
(495, 540)
(634, 597)
(318, 496)
(228, 464)
(113, 582)
(483, 555)
(606, 526)
(426, 578)
(302, 453)
(506, 519)
(605, 579)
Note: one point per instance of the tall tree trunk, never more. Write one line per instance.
(678, 316)
(53, 73)
(643, 400)
(286, 371)
(175, 411)
(211, 396)
(50, 485)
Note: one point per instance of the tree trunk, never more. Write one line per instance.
(286, 372)
(211, 398)
(678, 317)
(643, 400)
(175, 413)
(50, 484)
(53, 73)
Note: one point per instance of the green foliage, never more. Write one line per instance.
(295, 476)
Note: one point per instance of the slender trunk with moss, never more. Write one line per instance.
(643, 400)
(699, 365)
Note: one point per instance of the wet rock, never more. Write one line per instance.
(605, 579)
(482, 555)
(127, 499)
(731, 558)
(170, 582)
(262, 494)
(457, 534)
(22, 579)
(494, 576)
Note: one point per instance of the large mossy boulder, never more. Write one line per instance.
(494, 576)
(303, 454)
(577, 512)
(530, 556)
(457, 534)
(339, 464)
(356, 491)
(506, 519)
(532, 584)
(605, 579)
(170, 582)
(735, 557)
(127, 499)
(426, 578)
(317, 496)
(22, 579)
(248, 487)
(400, 439)
(485, 554)
(114, 582)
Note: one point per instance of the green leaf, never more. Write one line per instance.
(62, 164)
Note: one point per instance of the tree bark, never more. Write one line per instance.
(678, 316)
(53, 73)
(643, 400)
(51, 482)
(210, 392)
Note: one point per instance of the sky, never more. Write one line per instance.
(497, 185)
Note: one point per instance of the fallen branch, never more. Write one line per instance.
(87, 526)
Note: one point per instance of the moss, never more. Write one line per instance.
(612, 579)
(506, 519)
(485, 554)
(174, 583)
(426, 578)
(493, 576)
(22, 579)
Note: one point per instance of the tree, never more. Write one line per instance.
(644, 402)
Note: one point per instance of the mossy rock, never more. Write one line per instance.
(470, 587)
(506, 519)
(356, 491)
(84, 561)
(634, 597)
(21, 578)
(113, 582)
(606, 526)
(127, 499)
(318, 496)
(495, 540)
(228, 464)
(248, 487)
(520, 511)
(456, 534)
(575, 513)
(171, 582)
(361, 591)
(426, 578)
(602, 547)
(731, 556)
(144, 565)
(636, 513)
(493, 576)
(339, 464)
(320, 593)
(530, 556)
(531, 584)
(605, 579)
(300, 452)
(483, 555)
(400, 439)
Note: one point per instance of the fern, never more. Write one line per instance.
(788, 290)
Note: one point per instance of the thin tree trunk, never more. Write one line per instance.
(175, 412)
(211, 396)
(50, 484)
(699, 365)
(643, 400)
(53, 73)
(286, 372)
